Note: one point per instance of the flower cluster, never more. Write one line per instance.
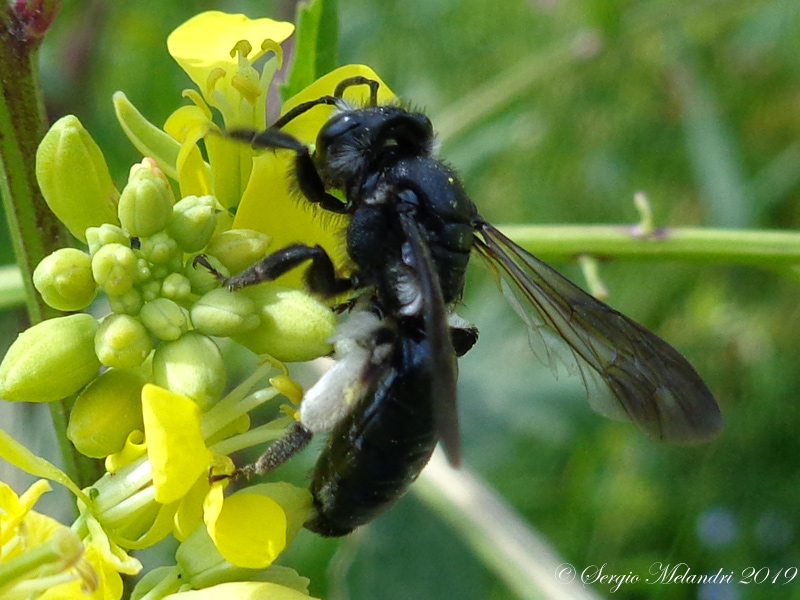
(150, 376)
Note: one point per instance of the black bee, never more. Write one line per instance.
(391, 396)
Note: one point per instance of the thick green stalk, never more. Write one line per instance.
(764, 248)
(35, 232)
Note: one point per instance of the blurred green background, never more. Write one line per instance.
(696, 102)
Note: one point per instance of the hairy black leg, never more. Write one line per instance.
(359, 80)
(320, 277)
(311, 185)
(295, 439)
(202, 260)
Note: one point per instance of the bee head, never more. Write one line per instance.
(354, 141)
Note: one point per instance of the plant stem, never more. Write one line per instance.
(765, 248)
(518, 554)
(35, 232)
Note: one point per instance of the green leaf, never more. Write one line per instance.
(317, 44)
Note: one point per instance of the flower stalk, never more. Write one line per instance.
(35, 231)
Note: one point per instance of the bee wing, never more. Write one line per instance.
(438, 335)
(628, 371)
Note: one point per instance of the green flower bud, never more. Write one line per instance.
(129, 303)
(74, 177)
(64, 279)
(122, 342)
(165, 319)
(193, 222)
(294, 327)
(176, 287)
(237, 249)
(151, 290)
(145, 206)
(192, 366)
(201, 279)
(143, 273)
(114, 268)
(106, 412)
(51, 360)
(224, 313)
(97, 237)
(159, 248)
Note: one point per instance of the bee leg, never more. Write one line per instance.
(320, 277)
(308, 178)
(295, 439)
(202, 260)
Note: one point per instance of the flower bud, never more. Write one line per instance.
(97, 237)
(159, 248)
(176, 287)
(237, 249)
(64, 279)
(193, 222)
(151, 290)
(165, 319)
(106, 412)
(143, 273)
(51, 360)
(114, 268)
(129, 303)
(191, 366)
(122, 342)
(201, 279)
(294, 327)
(145, 206)
(74, 178)
(224, 313)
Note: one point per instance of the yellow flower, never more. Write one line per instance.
(217, 51)
(41, 558)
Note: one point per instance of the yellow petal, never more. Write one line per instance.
(231, 163)
(175, 444)
(242, 590)
(190, 509)
(249, 530)
(189, 124)
(205, 41)
(14, 509)
(109, 550)
(269, 206)
(19, 456)
(134, 448)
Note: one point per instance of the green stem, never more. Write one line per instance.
(765, 248)
(509, 546)
(35, 232)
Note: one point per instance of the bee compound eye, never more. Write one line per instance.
(334, 130)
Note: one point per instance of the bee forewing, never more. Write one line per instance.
(629, 372)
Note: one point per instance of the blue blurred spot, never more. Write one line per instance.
(717, 527)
